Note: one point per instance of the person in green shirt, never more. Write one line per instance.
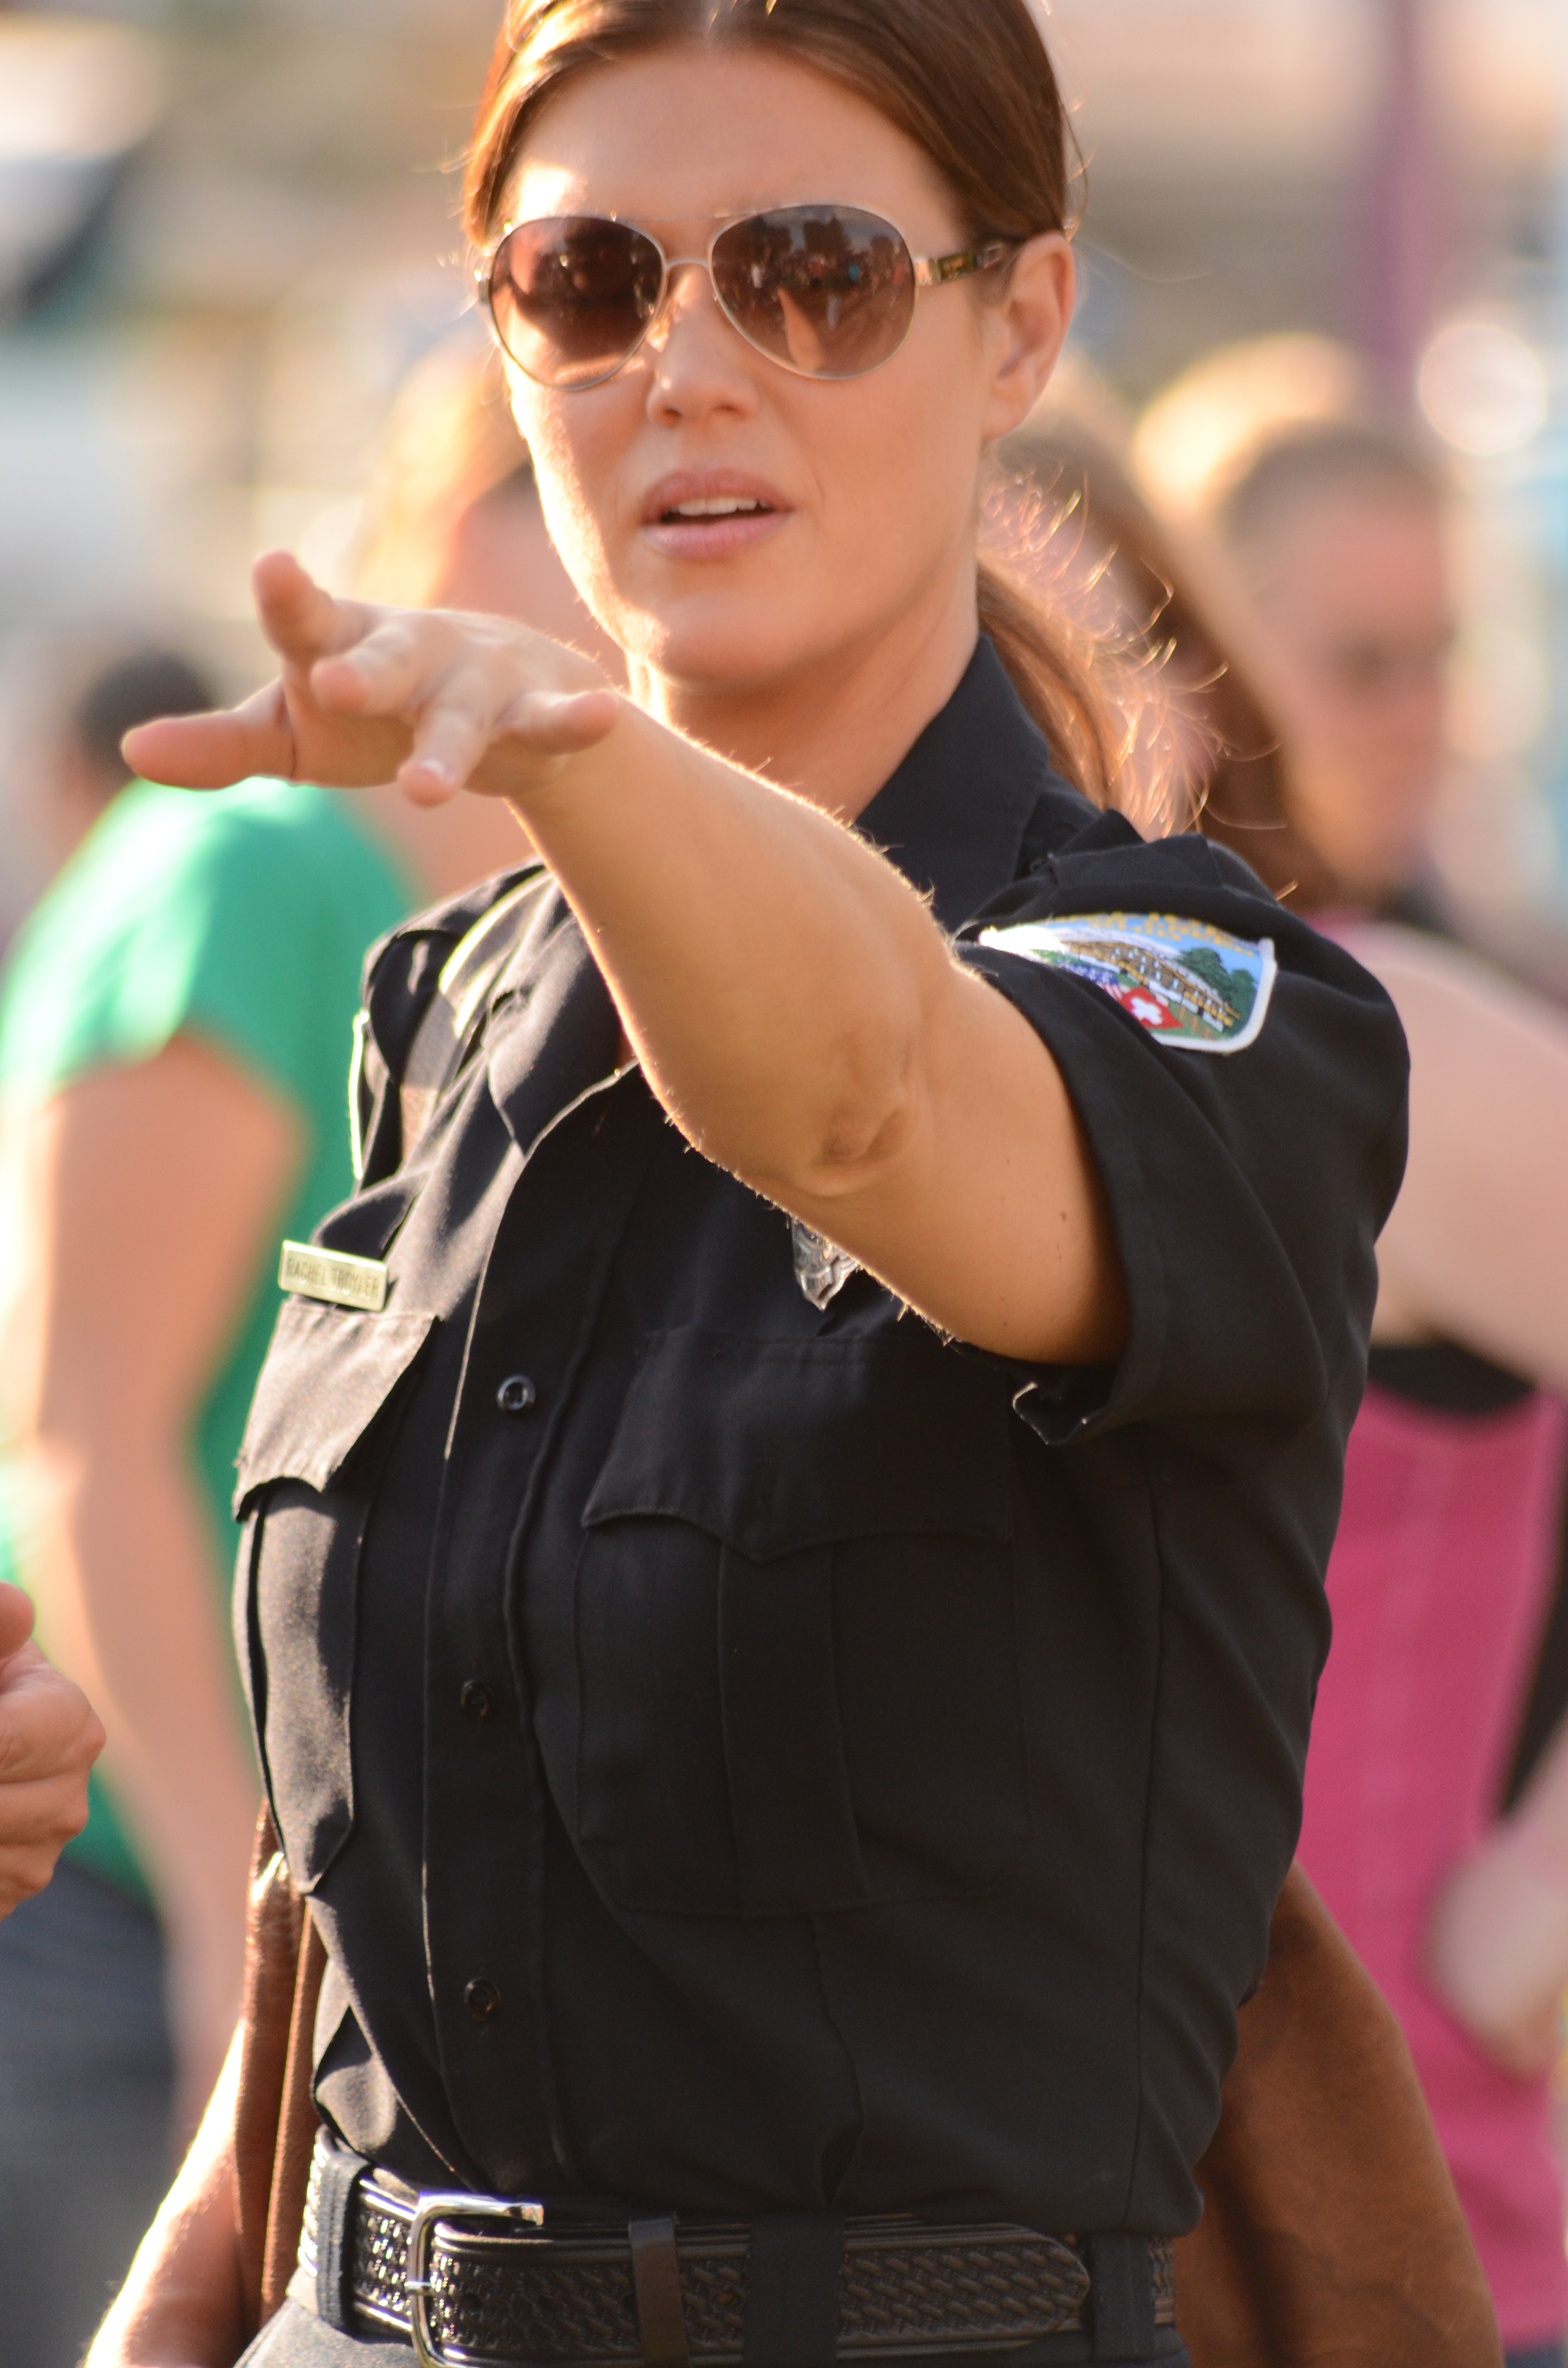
(175, 1031)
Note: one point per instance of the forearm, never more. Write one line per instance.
(795, 1006)
(131, 1607)
(180, 2305)
(1497, 1947)
(780, 983)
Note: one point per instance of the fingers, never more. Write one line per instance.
(15, 1619)
(386, 671)
(360, 683)
(48, 1741)
(208, 752)
(48, 1729)
(563, 723)
(302, 621)
(525, 745)
(26, 1869)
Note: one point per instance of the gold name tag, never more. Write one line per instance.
(330, 1275)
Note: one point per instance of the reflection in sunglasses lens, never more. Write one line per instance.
(571, 296)
(824, 289)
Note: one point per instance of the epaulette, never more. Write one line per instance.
(422, 983)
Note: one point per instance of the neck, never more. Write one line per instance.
(836, 729)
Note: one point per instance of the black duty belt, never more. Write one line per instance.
(474, 2279)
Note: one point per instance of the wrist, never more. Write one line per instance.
(549, 788)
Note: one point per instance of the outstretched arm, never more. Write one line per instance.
(793, 1004)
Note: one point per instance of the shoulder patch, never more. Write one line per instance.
(1195, 987)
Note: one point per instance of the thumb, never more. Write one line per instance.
(15, 1619)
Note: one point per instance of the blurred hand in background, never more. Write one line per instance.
(49, 1738)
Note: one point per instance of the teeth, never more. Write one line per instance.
(714, 505)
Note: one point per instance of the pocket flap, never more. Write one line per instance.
(328, 1374)
(774, 1445)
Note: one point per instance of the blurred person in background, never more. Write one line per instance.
(1337, 535)
(1448, 1667)
(1197, 747)
(174, 1033)
(246, 1101)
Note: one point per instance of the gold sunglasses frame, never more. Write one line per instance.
(930, 271)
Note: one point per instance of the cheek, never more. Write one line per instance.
(895, 458)
(576, 452)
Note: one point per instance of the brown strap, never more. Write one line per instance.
(1331, 2231)
(296, 2128)
(275, 1916)
(655, 2279)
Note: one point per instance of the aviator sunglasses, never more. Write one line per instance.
(825, 290)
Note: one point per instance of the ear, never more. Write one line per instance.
(1027, 328)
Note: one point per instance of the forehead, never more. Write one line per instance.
(686, 134)
(1362, 548)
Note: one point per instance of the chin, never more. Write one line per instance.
(719, 642)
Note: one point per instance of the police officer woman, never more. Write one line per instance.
(782, 1578)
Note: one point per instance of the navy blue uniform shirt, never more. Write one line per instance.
(752, 1755)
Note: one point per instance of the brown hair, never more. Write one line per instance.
(970, 81)
(1202, 751)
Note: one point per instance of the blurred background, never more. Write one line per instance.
(227, 228)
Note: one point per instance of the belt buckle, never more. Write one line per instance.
(427, 2211)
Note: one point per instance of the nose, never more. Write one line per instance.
(688, 289)
(700, 363)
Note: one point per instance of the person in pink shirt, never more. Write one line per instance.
(1443, 1574)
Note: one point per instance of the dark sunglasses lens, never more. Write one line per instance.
(824, 289)
(572, 295)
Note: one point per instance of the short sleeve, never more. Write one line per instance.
(1242, 1084)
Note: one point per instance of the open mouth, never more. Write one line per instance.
(716, 514)
(716, 506)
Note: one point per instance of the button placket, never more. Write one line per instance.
(497, 1801)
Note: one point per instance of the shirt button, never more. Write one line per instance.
(483, 2000)
(476, 1702)
(516, 1394)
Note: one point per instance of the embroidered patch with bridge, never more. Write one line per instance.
(1196, 988)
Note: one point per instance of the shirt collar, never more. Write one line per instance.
(952, 817)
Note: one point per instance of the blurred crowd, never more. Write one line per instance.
(1266, 562)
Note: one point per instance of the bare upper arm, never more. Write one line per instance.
(143, 1199)
(987, 1212)
(1476, 1249)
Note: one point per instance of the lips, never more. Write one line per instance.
(711, 514)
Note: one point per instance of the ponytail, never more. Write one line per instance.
(1052, 665)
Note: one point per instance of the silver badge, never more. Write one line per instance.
(820, 1270)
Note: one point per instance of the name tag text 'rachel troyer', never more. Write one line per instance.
(332, 1275)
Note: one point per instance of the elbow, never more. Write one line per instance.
(861, 1108)
(849, 1144)
(859, 1146)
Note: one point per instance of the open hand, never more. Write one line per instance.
(49, 1739)
(433, 698)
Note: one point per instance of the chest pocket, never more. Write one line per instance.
(307, 1467)
(796, 1636)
